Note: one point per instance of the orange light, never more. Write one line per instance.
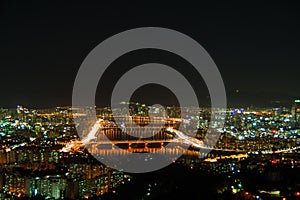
(297, 193)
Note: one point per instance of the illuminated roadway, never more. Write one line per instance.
(180, 138)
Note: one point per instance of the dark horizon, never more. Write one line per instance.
(255, 46)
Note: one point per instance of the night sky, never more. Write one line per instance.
(256, 46)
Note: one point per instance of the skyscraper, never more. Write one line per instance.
(295, 109)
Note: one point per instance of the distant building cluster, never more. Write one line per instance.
(33, 165)
(41, 154)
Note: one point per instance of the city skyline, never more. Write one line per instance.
(43, 155)
(149, 100)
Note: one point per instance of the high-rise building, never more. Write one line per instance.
(296, 109)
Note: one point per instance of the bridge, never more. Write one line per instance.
(89, 140)
(106, 146)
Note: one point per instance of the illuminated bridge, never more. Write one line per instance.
(98, 140)
(106, 139)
